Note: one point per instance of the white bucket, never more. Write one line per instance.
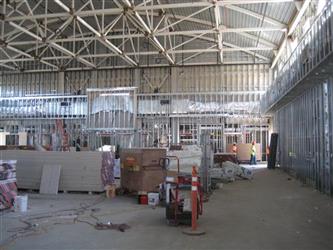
(153, 199)
(21, 203)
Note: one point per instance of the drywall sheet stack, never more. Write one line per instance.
(8, 189)
(50, 179)
(81, 171)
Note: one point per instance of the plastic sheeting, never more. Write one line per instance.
(112, 103)
(188, 157)
(189, 106)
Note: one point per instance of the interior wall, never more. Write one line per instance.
(305, 136)
(194, 92)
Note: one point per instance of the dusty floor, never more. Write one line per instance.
(270, 212)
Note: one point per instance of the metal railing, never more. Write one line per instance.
(315, 46)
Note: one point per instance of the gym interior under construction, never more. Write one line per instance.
(130, 124)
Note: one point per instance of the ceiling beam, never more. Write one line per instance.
(135, 11)
(209, 24)
(239, 31)
(99, 36)
(117, 11)
(52, 44)
(69, 54)
(235, 46)
(151, 34)
(219, 41)
(19, 52)
(196, 20)
(196, 54)
(154, 65)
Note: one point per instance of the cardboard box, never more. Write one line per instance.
(147, 179)
(141, 156)
(171, 173)
(140, 169)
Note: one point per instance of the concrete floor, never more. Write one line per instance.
(270, 212)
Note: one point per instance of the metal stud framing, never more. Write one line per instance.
(315, 47)
(170, 101)
(305, 136)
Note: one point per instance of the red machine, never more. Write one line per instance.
(179, 196)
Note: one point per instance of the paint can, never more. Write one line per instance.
(153, 198)
(21, 203)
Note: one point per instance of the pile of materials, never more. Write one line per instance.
(8, 188)
(230, 171)
(189, 156)
(80, 171)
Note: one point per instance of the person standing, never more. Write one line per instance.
(253, 160)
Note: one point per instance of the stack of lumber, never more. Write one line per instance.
(8, 189)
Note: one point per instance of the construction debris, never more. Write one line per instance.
(189, 156)
(108, 226)
(230, 171)
(40, 223)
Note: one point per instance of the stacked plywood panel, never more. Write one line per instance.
(80, 171)
(8, 189)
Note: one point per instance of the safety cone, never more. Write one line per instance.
(194, 231)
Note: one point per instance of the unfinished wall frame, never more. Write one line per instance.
(305, 136)
(171, 101)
